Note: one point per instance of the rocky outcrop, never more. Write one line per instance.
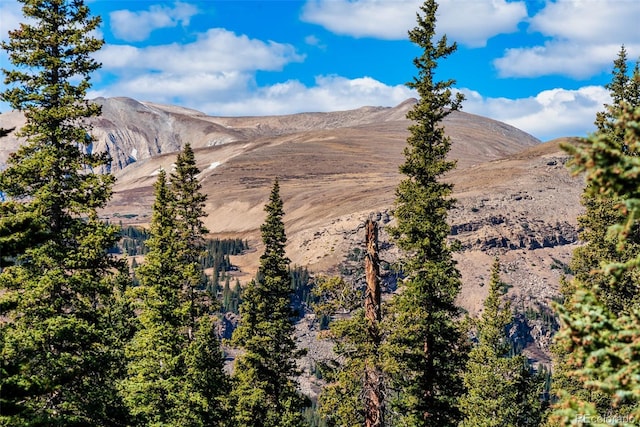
(501, 232)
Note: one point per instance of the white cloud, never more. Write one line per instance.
(219, 65)
(190, 90)
(136, 26)
(329, 93)
(472, 23)
(312, 40)
(583, 39)
(549, 114)
(558, 58)
(391, 19)
(591, 21)
(214, 51)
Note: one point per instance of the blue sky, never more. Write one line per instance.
(539, 65)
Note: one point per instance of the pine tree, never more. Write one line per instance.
(264, 390)
(189, 211)
(175, 368)
(57, 346)
(155, 368)
(342, 399)
(424, 341)
(500, 390)
(604, 346)
(623, 88)
(601, 212)
(206, 385)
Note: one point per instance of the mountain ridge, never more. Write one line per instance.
(515, 198)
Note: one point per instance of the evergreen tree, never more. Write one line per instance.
(342, 399)
(424, 340)
(623, 88)
(155, 369)
(189, 211)
(206, 385)
(58, 350)
(603, 345)
(500, 390)
(175, 368)
(264, 390)
(601, 212)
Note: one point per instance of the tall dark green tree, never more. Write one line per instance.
(601, 212)
(175, 367)
(205, 384)
(264, 387)
(603, 346)
(500, 390)
(424, 341)
(56, 344)
(155, 365)
(189, 210)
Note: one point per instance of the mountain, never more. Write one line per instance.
(515, 198)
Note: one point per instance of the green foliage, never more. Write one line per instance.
(264, 390)
(603, 345)
(60, 350)
(206, 385)
(218, 251)
(189, 204)
(302, 288)
(601, 157)
(601, 209)
(132, 241)
(424, 340)
(313, 418)
(231, 297)
(154, 355)
(175, 367)
(342, 401)
(623, 88)
(500, 389)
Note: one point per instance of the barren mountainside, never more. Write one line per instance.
(515, 197)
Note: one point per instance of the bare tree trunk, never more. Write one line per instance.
(373, 387)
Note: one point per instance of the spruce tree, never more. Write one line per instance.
(264, 390)
(601, 212)
(424, 341)
(603, 345)
(155, 368)
(500, 390)
(175, 368)
(624, 87)
(57, 347)
(189, 211)
(206, 385)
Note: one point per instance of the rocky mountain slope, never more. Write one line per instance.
(515, 198)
